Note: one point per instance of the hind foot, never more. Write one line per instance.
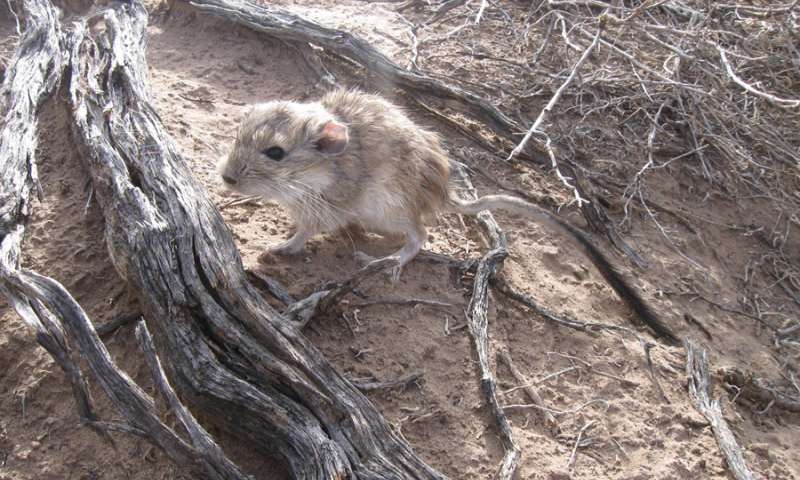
(292, 246)
(392, 275)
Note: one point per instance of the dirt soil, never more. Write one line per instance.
(204, 73)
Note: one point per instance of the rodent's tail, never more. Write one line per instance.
(609, 272)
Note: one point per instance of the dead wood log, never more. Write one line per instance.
(224, 348)
(31, 77)
(43, 303)
(215, 463)
(699, 389)
(201, 460)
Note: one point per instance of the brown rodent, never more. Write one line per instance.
(355, 159)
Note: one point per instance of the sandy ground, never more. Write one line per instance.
(204, 73)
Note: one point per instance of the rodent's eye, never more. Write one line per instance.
(275, 153)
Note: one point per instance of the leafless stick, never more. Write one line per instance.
(304, 310)
(313, 61)
(16, 17)
(558, 373)
(412, 64)
(546, 110)
(274, 287)
(583, 3)
(528, 388)
(88, 201)
(777, 9)
(444, 7)
(560, 19)
(644, 67)
(554, 411)
(112, 325)
(781, 102)
(201, 440)
(577, 442)
(529, 302)
(652, 371)
(239, 201)
(669, 240)
(592, 369)
(736, 311)
(697, 371)
(788, 331)
(545, 42)
(404, 302)
(484, 3)
(412, 33)
(635, 184)
(554, 99)
(196, 99)
(400, 382)
(695, 142)
(756, 389)
(478, 321)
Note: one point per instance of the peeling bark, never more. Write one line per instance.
(32, 76)
(699, 390)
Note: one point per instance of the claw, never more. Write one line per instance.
(282, 249)
(393, 274)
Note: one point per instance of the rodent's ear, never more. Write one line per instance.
(334, 138)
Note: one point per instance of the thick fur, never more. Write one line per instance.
(388, 177)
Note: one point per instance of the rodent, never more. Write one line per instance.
(354, 158)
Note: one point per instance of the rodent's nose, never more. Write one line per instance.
(229, 180)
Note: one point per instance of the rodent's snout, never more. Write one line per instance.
(224, 173)
(228, 180)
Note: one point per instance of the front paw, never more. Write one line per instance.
(281, 250)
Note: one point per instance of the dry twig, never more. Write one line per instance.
(477, 320)
(529, 389)
(699, 389)
(755, 389)
(535, 128)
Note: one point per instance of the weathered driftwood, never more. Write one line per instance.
(478, 321)
(32, 75)
(699, 389)
(227, 352)
(43, 303)
(209, 454)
